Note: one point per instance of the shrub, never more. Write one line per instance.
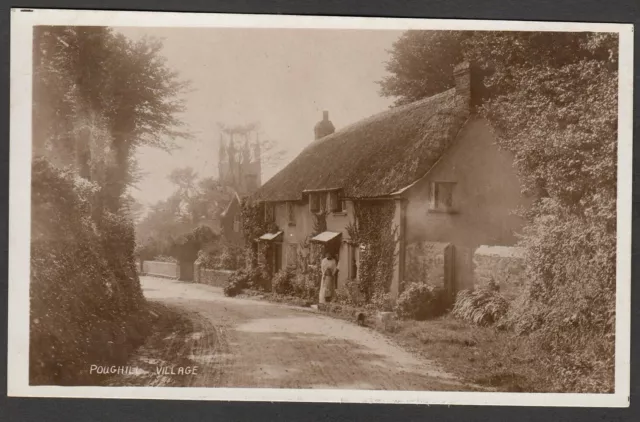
(480, 307)
(243, 278)
(350, 294)
(237, 282)
(306, 285)
(207, 259)
(420, 301)
(230, 258)
(281, 283)
(382, 302)
(227, 260)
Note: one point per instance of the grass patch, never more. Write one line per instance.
(499, 360)
(275, 298)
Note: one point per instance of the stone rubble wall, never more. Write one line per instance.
(217, 278)
(424, 263)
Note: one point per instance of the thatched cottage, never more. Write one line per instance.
(433, 165)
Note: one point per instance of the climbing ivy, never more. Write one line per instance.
(257, 254)
(253, 220)
(374, 231)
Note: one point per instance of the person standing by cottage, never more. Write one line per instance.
(329, 268)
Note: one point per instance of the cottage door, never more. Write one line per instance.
(463, 268)
(277, 257)
(333, 247)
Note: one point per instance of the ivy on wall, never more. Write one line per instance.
(258, 254)
(374, 231)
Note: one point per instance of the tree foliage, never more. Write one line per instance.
(421, 64)
(85, 298)
(559, 119)
(98, 96)
(552, 100)
(193, 204)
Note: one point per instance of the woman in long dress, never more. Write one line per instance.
(329, 268)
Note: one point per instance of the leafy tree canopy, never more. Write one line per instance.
(552, 100)
(97, 96)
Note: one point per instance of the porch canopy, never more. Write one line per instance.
(271, 237)
(326, 237)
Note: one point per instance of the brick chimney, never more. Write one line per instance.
(469, 84)
(324, 127)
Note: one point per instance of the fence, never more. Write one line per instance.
(161, 269)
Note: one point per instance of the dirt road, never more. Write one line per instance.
(249, 343)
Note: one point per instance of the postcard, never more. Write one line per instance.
(319, 209)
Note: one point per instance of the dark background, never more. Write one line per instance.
(25, 409)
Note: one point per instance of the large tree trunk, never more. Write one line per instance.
(117, 175)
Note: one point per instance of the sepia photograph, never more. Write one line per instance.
(290, 208)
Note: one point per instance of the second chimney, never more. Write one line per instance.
(324, 127)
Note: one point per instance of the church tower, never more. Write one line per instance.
(240, 162)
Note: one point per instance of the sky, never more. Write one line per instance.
(281, 78)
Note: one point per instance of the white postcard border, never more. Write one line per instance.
(22, 23)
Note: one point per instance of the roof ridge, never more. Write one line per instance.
(375, 156)
(378, 115)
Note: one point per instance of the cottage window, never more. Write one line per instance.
(342, 204)
(291, 213)
(236, 223)
(314, 202)
(334, 202)
(323, 202)
(441, 198)
(269, 213)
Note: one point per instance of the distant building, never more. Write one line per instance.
(240, 171)
(436, 165)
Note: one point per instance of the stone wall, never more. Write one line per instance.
(425, 263)
(501, 265)
(216, 278)
(161, 269)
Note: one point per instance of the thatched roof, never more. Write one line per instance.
(375, 156)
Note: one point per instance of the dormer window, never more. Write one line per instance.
(334, 201)
(323, 201)
(441, 197)
(269, 213)
(337, 203)
(314, 202)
